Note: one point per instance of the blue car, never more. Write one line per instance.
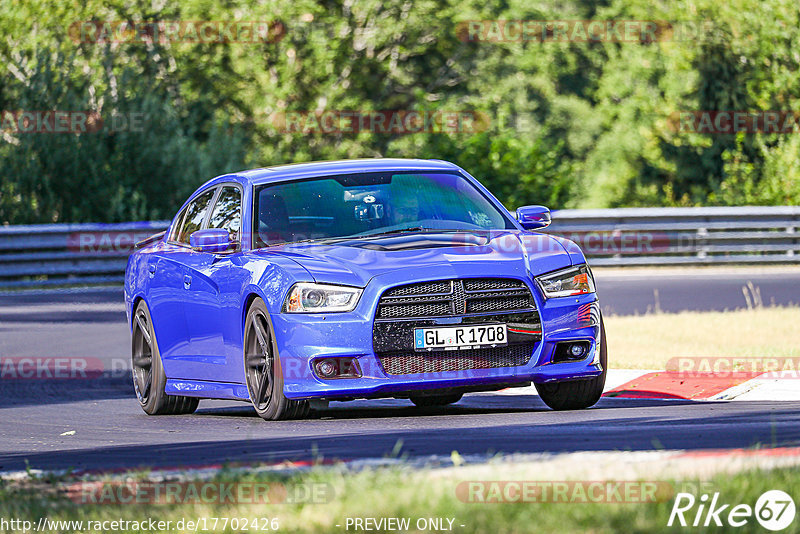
(358, 279)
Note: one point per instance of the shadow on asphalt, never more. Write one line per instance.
(678, 427)
(64, 296)
(41, 392)
(474, 404)
(67, 316)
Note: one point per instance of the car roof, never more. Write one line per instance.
(347, 166)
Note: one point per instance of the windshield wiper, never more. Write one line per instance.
(421, 229)
(395, 231)
(363, 236)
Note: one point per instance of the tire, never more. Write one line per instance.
(147, 370)
(436, 400)
(577, 394)
(262, 369)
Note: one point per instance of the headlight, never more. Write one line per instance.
(567, 282)
(307, 297)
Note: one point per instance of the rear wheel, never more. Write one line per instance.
(263, 369)
(577, 394)
(149, 379)
(436, 400)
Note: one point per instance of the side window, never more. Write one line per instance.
(195, 213)
(176, 229)
(227, 212)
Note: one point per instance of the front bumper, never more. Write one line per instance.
(303, 338)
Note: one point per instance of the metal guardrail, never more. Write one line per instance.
(86, 254)
(683, 236)
(41, 255)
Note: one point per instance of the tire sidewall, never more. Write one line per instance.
(159, 379)
(278, 401)
(600, 381)
(578, 394)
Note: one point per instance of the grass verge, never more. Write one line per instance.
(397, 493)
(648, 341)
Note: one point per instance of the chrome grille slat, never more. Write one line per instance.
(415, 310)
(497, 304)
(493, 284)
(499, 294)
(388, 301)
(438, 287)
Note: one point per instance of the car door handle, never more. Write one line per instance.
(152, 270)
(187, 281)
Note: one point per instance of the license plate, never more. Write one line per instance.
(460, 337)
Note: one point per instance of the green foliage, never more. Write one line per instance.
(517, 171)
(571, 124)
(140, 165)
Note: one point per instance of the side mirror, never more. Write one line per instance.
(534, 217)
(210, 240)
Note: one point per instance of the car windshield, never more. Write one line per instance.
(363, 205)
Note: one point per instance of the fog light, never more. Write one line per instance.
(328, 368)
(577, 350)
(570, 351)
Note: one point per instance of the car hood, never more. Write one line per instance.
(356, 261)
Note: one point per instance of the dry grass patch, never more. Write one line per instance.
(648, 341)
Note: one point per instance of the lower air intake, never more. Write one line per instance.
(404, 363)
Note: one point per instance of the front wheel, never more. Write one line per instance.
(263, 371)
(577, 394)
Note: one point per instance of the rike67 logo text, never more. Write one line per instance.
(774, 510)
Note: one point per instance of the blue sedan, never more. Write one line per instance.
(358, 279)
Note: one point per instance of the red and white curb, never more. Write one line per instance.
(655, 384)
(649, 384)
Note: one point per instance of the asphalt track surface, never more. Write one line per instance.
(103, 427)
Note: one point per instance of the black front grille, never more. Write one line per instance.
(498, 304)
(404, 363)
(491, 284)
(437, 287)
(444, 298)
(430, 309)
